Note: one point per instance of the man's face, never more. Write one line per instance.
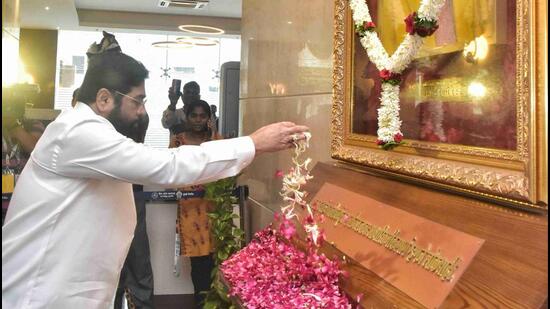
(128, 110)
(190, 94)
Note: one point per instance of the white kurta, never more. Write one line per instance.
(72, 216)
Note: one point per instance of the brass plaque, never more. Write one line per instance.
(422, 258)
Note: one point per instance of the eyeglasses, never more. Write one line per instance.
(139, 102)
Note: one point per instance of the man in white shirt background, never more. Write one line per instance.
(72, 214)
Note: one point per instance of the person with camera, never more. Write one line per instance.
(16, 132)
(172, 116)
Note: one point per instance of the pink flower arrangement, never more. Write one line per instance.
(287, 229)
(271, 273)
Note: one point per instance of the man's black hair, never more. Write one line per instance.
(193, 85)
(111, 70)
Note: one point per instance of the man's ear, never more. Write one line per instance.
(105, 102)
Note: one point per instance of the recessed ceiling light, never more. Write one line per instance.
(289, 22)
(197, 41)
(47, 8)
(199, 29)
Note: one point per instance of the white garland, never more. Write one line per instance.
(437, 115)
(434, 118)
(292, 193)
(389, 124)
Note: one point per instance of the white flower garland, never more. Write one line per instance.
(437, 115)
(389, 124)
(292, 189)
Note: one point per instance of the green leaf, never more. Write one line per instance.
(391, 145)
(222, 255)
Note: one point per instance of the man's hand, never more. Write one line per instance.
(173, 97)
(277, 136)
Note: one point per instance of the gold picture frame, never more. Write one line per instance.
(515, 178)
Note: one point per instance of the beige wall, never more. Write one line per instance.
(286, 74)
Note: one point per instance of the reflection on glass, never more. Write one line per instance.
(476, 90)
(476, 50)
(461, 87)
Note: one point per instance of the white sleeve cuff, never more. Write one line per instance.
(240, 149)
(246, 150)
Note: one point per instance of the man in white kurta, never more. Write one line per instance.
(72, 215)
(66, 247)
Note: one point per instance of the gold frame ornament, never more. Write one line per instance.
(515, 178)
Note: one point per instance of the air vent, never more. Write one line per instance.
(191, 4)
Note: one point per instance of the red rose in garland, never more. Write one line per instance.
(385, 74)
(422, 27)
(390, 77)
(369, 26)
(398, 137)
(409, 24)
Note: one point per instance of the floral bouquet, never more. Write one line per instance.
(272, 273)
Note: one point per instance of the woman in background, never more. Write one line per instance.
(192, 221)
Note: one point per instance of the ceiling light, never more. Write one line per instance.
(199, 29)
(171, 44)
(47, 8)
(197, 41)
(289, 22)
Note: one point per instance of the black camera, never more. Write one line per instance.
(16, 98)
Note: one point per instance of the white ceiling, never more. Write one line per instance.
(61, 13)
(217, 8)
(65, 13)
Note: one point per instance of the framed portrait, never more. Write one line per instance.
(473, 101)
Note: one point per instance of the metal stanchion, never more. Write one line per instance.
(244, 212)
